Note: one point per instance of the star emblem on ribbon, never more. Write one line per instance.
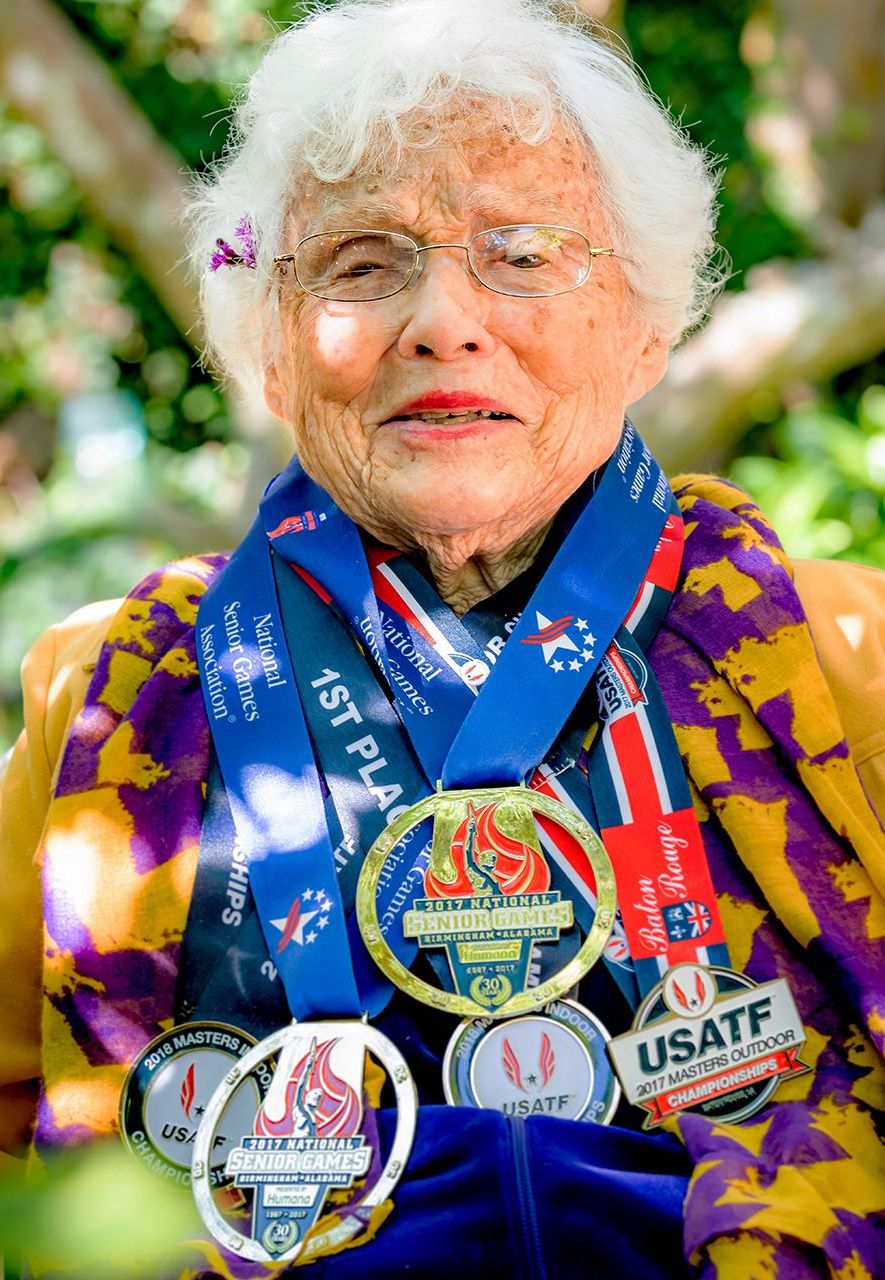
(293, 925)
(553, 636)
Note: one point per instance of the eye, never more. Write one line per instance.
(523, 260)
(522, 248)
(355, 271)
(362, 256)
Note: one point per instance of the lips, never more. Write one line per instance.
(442, 406)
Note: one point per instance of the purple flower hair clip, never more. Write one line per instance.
(226, 256)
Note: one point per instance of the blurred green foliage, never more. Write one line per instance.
(75, 1217)
(818, 472)
(77, 320)
(81, 332)
(692, 61)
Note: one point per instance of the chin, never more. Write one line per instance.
(450, 502)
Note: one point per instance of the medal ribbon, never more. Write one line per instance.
(544, 663)
(272, 783)
(549, 659)
(554, 648)
(638, 795)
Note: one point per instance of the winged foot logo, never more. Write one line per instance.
(513, 1071)
(529, 1066)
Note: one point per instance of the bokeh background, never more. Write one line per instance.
(117, 451)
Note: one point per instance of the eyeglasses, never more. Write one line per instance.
(525, 261)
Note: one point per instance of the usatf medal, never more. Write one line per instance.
(486, 899)
(312, 1140)
(709, 1040)
(168, 1088)
(547, 1063)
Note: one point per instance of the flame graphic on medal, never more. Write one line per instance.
(488, 900)
(317, 1102)
(305, 1142)
(483, 859)
(188, 1091)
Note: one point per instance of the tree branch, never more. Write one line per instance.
(802, 320)
(131, 180)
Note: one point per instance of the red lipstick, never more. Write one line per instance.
(439, 401)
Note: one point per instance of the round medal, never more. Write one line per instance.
(309, 1138)
(548, 1063)
(166, 1092)
(482, 894)
(711, 1040)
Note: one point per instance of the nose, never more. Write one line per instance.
(446, 310)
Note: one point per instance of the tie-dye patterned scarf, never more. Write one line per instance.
(797, 857)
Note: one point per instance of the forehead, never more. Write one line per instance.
(486, 175)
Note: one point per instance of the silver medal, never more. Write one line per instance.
(168, 1088)
(309, 1137)
(709, 1040)
(552, 1062)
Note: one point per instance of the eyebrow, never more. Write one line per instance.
(344, 214)
(490, 200)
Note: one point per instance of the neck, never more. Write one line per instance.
(465, 572)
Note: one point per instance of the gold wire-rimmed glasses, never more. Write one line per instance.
(525, 260)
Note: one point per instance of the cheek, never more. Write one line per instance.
(335, 355)
(584, 345)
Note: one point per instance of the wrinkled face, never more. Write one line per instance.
(561, 370)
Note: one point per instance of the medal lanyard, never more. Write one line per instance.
(273, 786)
(373, 777)
(553, 650)
(637, 798)
(247, 679)
(434, 666)
(645, 813)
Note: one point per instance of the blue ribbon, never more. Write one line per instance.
(262, 740)
(272, 783)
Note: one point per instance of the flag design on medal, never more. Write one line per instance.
(686, 920)
(561, 651)
(306, 918)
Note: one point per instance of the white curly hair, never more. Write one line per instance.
(332, 95)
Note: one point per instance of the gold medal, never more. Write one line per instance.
(484, 896)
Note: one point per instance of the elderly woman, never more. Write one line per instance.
(454, 241)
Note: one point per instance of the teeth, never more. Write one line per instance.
(457, 417)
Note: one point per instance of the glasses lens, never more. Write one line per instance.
(530, 261)
(354, 266)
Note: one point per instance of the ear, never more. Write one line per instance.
(274, 396)
(648, 368)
